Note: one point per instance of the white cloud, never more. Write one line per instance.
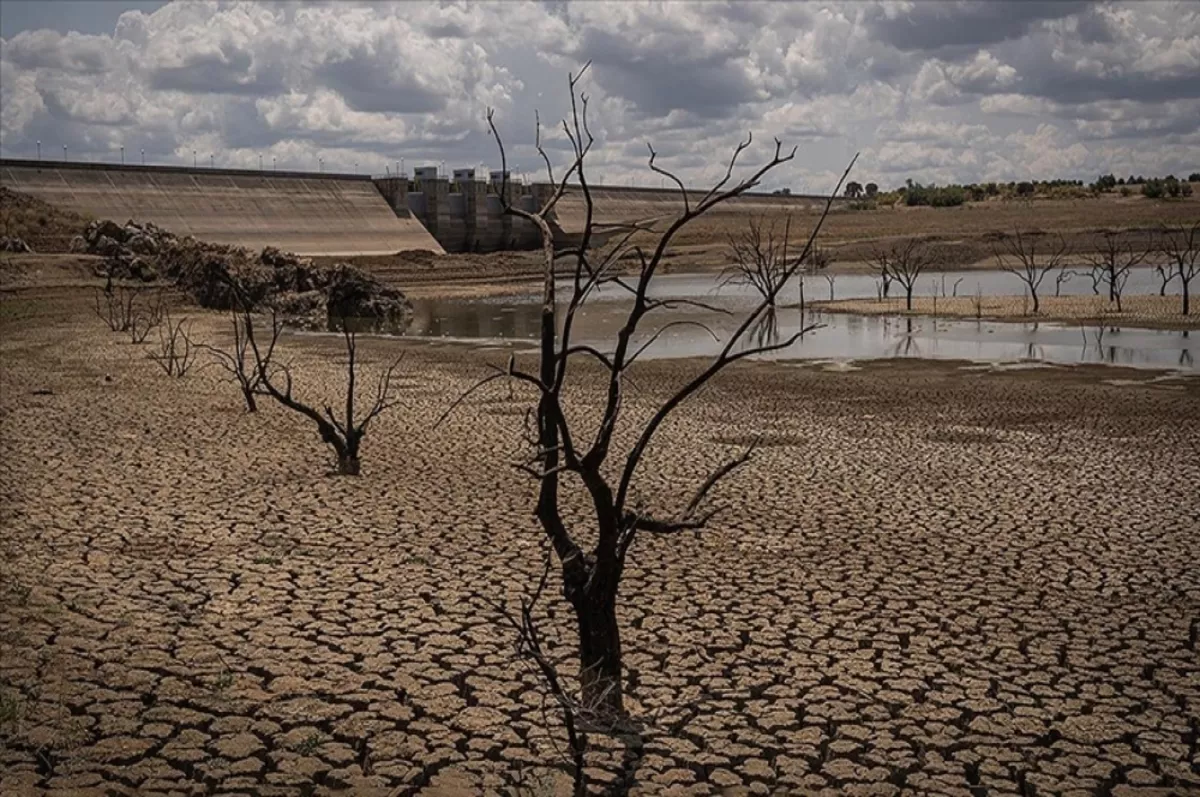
(936, 91)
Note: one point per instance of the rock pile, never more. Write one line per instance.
(129, 251)
(216, 275)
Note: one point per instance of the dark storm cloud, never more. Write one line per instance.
(1070, 87)
(666, 77)
(372, 85)
(940, 25)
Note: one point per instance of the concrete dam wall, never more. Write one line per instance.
(345, 214)
(309, 214)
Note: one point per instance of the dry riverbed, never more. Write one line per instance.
(931, 578)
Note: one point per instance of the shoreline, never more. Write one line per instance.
(1138, 312)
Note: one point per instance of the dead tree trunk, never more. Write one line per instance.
(1031, 265)
(903, 262)
(600, 660)
(1180, 244)
(591, 578)
(759, 256)
(343, 434)
(1113, 258)
(238, 363)
(1063, 276)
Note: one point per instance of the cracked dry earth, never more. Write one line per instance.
(931, 578)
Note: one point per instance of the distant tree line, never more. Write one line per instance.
(915, 194)
(1153, 187)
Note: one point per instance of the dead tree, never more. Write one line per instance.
(759, 255)
(880, 258)
(343, 434)
(116, 306)
(565, 456)
(815, 262)
(176, 351)
(1034, 257)
(903, 262)
(1166, 273)
(1180, 244)
(1112, 260)
(238, 363)
(529, 646)
(1061, 278)
(146, 315)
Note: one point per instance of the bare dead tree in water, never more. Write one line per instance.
(570, 455)
(1111, 262)
(1180, 245)
(814, 262)
(344, 434)
(760, 260)
(1061, 278)
(903, 262)
(759, 254)
(1031, 255)
(239, 362)
(828, 275)
(1165, 273)
(1096, 275)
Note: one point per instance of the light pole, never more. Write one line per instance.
(274, 168)
(39, 150)
(64, 152)
(320, 165)
(143, 157)
(193, 159)
(122, 154)
(443, 168)
(260, 163)
(402, 171)
(210, 160)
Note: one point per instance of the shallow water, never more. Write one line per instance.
(840, 336)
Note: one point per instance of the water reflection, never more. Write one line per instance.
(841, 336)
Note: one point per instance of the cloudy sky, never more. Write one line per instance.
(934, 91)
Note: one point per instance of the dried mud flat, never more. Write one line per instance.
(932, 579)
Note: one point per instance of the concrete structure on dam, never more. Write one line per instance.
(309, 214)
(346, 214)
